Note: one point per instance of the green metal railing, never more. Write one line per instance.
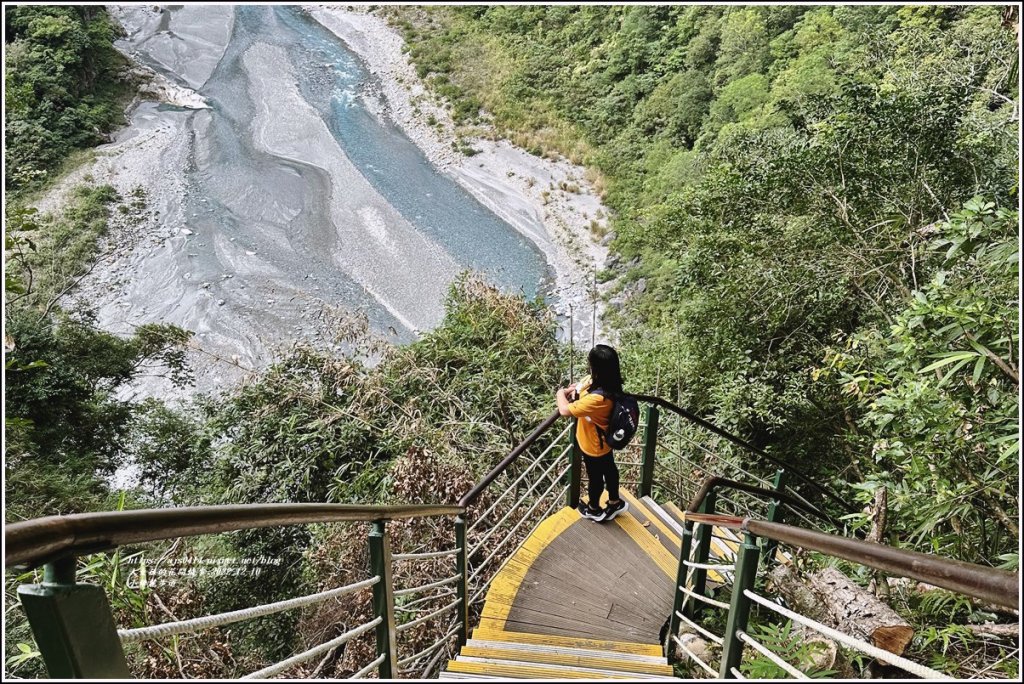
(746, 607)
(73, 622)
(687, 459)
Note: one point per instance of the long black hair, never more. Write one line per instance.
(604, 369)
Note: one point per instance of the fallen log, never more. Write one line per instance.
(995, 630)
(830, 597)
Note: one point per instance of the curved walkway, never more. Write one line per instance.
(585, 581)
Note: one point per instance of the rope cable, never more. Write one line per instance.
(424, 587)
(694, 657)
(315, 651)
(374, 663)
(210, 621)
(713, 637)
(422, 556)
(419, 621)
(850, 642)
(760, 648)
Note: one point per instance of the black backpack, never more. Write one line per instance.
(622, 423)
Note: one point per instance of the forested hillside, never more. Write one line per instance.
(792, 189)
(61, 87)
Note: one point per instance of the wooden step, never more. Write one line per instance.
(573, 657)
(522, 670)
(606, 646)
(445, 674)
(667, 519)
(661, 553)
(652, 523)
(673, 511)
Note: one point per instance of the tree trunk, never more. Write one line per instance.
(879, 516)
(830, 597)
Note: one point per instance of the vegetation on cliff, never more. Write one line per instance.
(62, 87)
(787, 181)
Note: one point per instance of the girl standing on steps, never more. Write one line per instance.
(590, 401)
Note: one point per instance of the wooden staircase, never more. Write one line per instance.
(586, 600)
(509, 656)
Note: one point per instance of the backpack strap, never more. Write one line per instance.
(602, 393)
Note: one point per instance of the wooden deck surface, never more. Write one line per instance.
(579, 579)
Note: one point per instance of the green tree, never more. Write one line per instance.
(62, 87)
(939, 391)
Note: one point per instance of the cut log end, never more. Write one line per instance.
(892, 638)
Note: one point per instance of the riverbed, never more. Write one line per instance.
(297, 195)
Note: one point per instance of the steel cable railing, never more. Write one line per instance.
(509, 536)
(423, 587)
(746, 446)
(483, 587)
(408, 607)
(483, 516)
(512, 509)
(418, 608)
(429, 650)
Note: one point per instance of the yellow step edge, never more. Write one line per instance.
(634, 648)
(644, 539)
(651, 546)
(566, 659)
(522, 671)
(651, 516)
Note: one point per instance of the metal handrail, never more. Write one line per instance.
(678, 410)
(713, 482)
(1000, 587)
(43, 540)
(526, 471)
(497, 470)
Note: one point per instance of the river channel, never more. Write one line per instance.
(295, 197)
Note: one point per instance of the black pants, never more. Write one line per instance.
(601, 472)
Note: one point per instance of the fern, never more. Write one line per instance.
(793, 648)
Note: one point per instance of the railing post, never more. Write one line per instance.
(383, 599)
(700, 575)
(73, 625)
(572, 497)
(677, 602)
(739, 608)
(774, 515)
(461, 569)
(650, 447)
